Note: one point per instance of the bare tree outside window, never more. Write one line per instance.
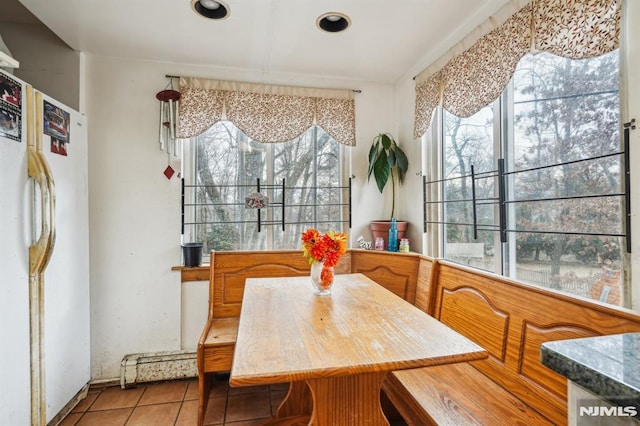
(228, 167)
(564, 178)
(469, 142)
(565, 112)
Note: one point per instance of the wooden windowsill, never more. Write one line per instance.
(199, 273)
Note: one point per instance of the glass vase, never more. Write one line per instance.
(321, 278)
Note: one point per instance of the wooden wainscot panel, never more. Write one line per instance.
(553, 316)
(530, 366)
(397, 272)
(426, 267)
(472, 314)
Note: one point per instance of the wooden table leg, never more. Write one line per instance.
(348, 400)
(297, 401)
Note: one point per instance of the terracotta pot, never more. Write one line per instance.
(380, 228)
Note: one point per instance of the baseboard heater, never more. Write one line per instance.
(156, 366)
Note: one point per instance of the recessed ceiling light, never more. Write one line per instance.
(333, 22)
(210, 4)
(211, 9)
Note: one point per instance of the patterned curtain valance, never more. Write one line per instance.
(475, 72)
(265, 113)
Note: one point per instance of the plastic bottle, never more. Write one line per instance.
(404, 245)
(379, 243)
(393, 236)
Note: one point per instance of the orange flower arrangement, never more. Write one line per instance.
(327, 248)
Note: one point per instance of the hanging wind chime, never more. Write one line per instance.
(168, 123)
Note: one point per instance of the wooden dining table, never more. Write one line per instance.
(335, 350)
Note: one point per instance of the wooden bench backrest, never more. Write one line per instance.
(396, 272)
(511, 320)
(229, 269)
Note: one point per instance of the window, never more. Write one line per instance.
(304, 181)
(550, 148)
(469, 193)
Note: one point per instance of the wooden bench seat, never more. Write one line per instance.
(456, 394)
(219, 344)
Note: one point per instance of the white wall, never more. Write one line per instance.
(136, 299)
(375, 113)
(411, 191)
(134, 217)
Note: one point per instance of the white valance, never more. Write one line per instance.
(476, 71)
(265, 113)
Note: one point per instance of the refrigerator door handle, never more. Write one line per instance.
(38, 251)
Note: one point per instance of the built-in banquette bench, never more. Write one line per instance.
(509, 319)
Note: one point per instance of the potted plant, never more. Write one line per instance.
(387, 160)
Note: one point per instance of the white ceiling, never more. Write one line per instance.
(386, 41)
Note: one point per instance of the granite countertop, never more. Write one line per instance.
(608, 366)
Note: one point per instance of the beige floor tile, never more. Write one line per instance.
(115, 397)
(188, 415)
(248, 406)
(215, 411)
(219, 388)
(155, 415)
(117, 417)
(71, 419)
(161, 393)
(192, 390)
(175, 403)
(86, 403)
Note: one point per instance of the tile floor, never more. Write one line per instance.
(175, 403)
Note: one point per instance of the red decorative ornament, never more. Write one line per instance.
(169, 172)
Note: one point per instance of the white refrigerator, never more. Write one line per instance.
(44, 255)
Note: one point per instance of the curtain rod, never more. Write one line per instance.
(177, 76)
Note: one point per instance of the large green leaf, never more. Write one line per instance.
(402, 162)
(381, 170)
(386, 141)
(391, 159)
(373, 152)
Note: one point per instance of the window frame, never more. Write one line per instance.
(189, 226)
(503, 139)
